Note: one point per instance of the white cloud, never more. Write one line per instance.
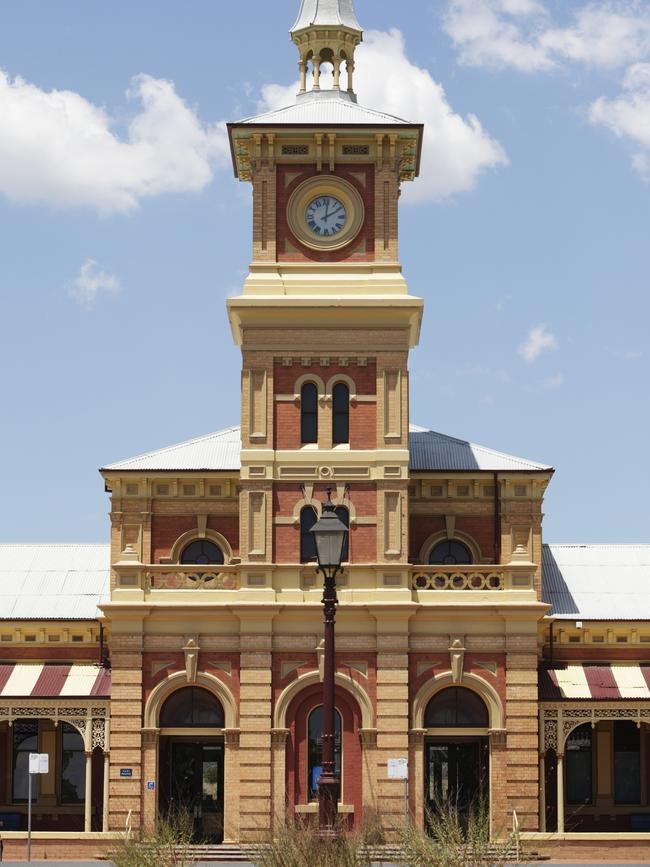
(539, 340)
(59, 149)
(90, 281)
(456, 150)
(628, 116)
(557, 381)
(498, 33)
(519, 34)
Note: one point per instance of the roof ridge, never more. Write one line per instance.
(169, 448)
(56, 544)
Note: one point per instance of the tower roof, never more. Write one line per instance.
(325, 13)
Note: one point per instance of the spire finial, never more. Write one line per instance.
(327, 33)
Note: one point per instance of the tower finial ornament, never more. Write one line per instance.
(327, 33)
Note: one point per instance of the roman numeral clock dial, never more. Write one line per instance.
(326, 216)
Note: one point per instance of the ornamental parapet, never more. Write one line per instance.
(155, 577)
(468, 578)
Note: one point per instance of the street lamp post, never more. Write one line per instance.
(330, 534)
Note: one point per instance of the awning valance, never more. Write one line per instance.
(36, 680)
(602, 682)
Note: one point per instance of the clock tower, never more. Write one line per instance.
(325, 320)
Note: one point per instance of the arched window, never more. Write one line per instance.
(73, 766)
(579, 765)
(192, 707)
(202, 552)
(315, 748)
(456, 707)
(344, 517)
(450, 553)
(307, 542)
(309, 414)
(340, 414)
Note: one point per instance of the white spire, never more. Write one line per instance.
(327, 33)
(323, 13)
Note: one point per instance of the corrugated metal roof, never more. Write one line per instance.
(327, 108)
(432, 452)
(597, 582)
(324, 12)
(610, 682)
(215, 451)
(53, 582)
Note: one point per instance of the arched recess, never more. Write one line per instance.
(472, 681)
(309, 377)
(341, 377)
(313, 677)
(176, 681)
(193, 535)
(457, 535)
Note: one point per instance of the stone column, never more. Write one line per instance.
(231, 785)
(150, 738)
(88, 803)
(392, 714)
(107, 772)
(522, 723)
(560, 793)
(368, 738)
(279, 776)
(542, 792)
(255, 723)
(416, 776)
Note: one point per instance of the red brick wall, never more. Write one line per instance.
(175, 662)
(166, 529)
(480, 528)
(440, 664)
(361, 249)
(364, 378)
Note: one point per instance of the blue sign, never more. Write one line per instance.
(151, 785)
(126, 772)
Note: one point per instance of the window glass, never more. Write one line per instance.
(73, 766)
(456, 707)
(25, 741)
(309, 414)
(192, 707)
(202, 552)
(627, 763)
(340, 414)
(579, 766)
(315, 749)
(344, 517)
(307, 540)
(450, 553)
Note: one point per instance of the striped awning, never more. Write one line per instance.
(27, 680)
(602, 682)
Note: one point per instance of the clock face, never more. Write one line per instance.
(326, 216)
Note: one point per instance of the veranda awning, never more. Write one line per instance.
(602, 682)
(37, 680)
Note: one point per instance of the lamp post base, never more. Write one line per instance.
(328, 796)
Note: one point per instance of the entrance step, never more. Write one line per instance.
(222, 853)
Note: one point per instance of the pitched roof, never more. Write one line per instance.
(214, 451)
(53, 582)
(597, 582)
(431, 452)
(324, 108)
(322, 13)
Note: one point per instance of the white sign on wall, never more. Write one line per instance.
(39, 763)
(398, 769)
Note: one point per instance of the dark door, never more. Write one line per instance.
(456, 776)
(195, 785)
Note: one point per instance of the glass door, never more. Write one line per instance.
(196, 786)
(456, 776)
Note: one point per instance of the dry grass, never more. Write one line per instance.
(167, 847)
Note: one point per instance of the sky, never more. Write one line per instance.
(123, 231)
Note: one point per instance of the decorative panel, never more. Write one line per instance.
(392, 404)
(392, 524)
(257, 523)
(257, 404)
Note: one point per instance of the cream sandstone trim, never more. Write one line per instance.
(177, 681)
(313, 677)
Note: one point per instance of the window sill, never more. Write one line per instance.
(303, 809)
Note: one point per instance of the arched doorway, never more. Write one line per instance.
(456, 753)
(191, 778)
